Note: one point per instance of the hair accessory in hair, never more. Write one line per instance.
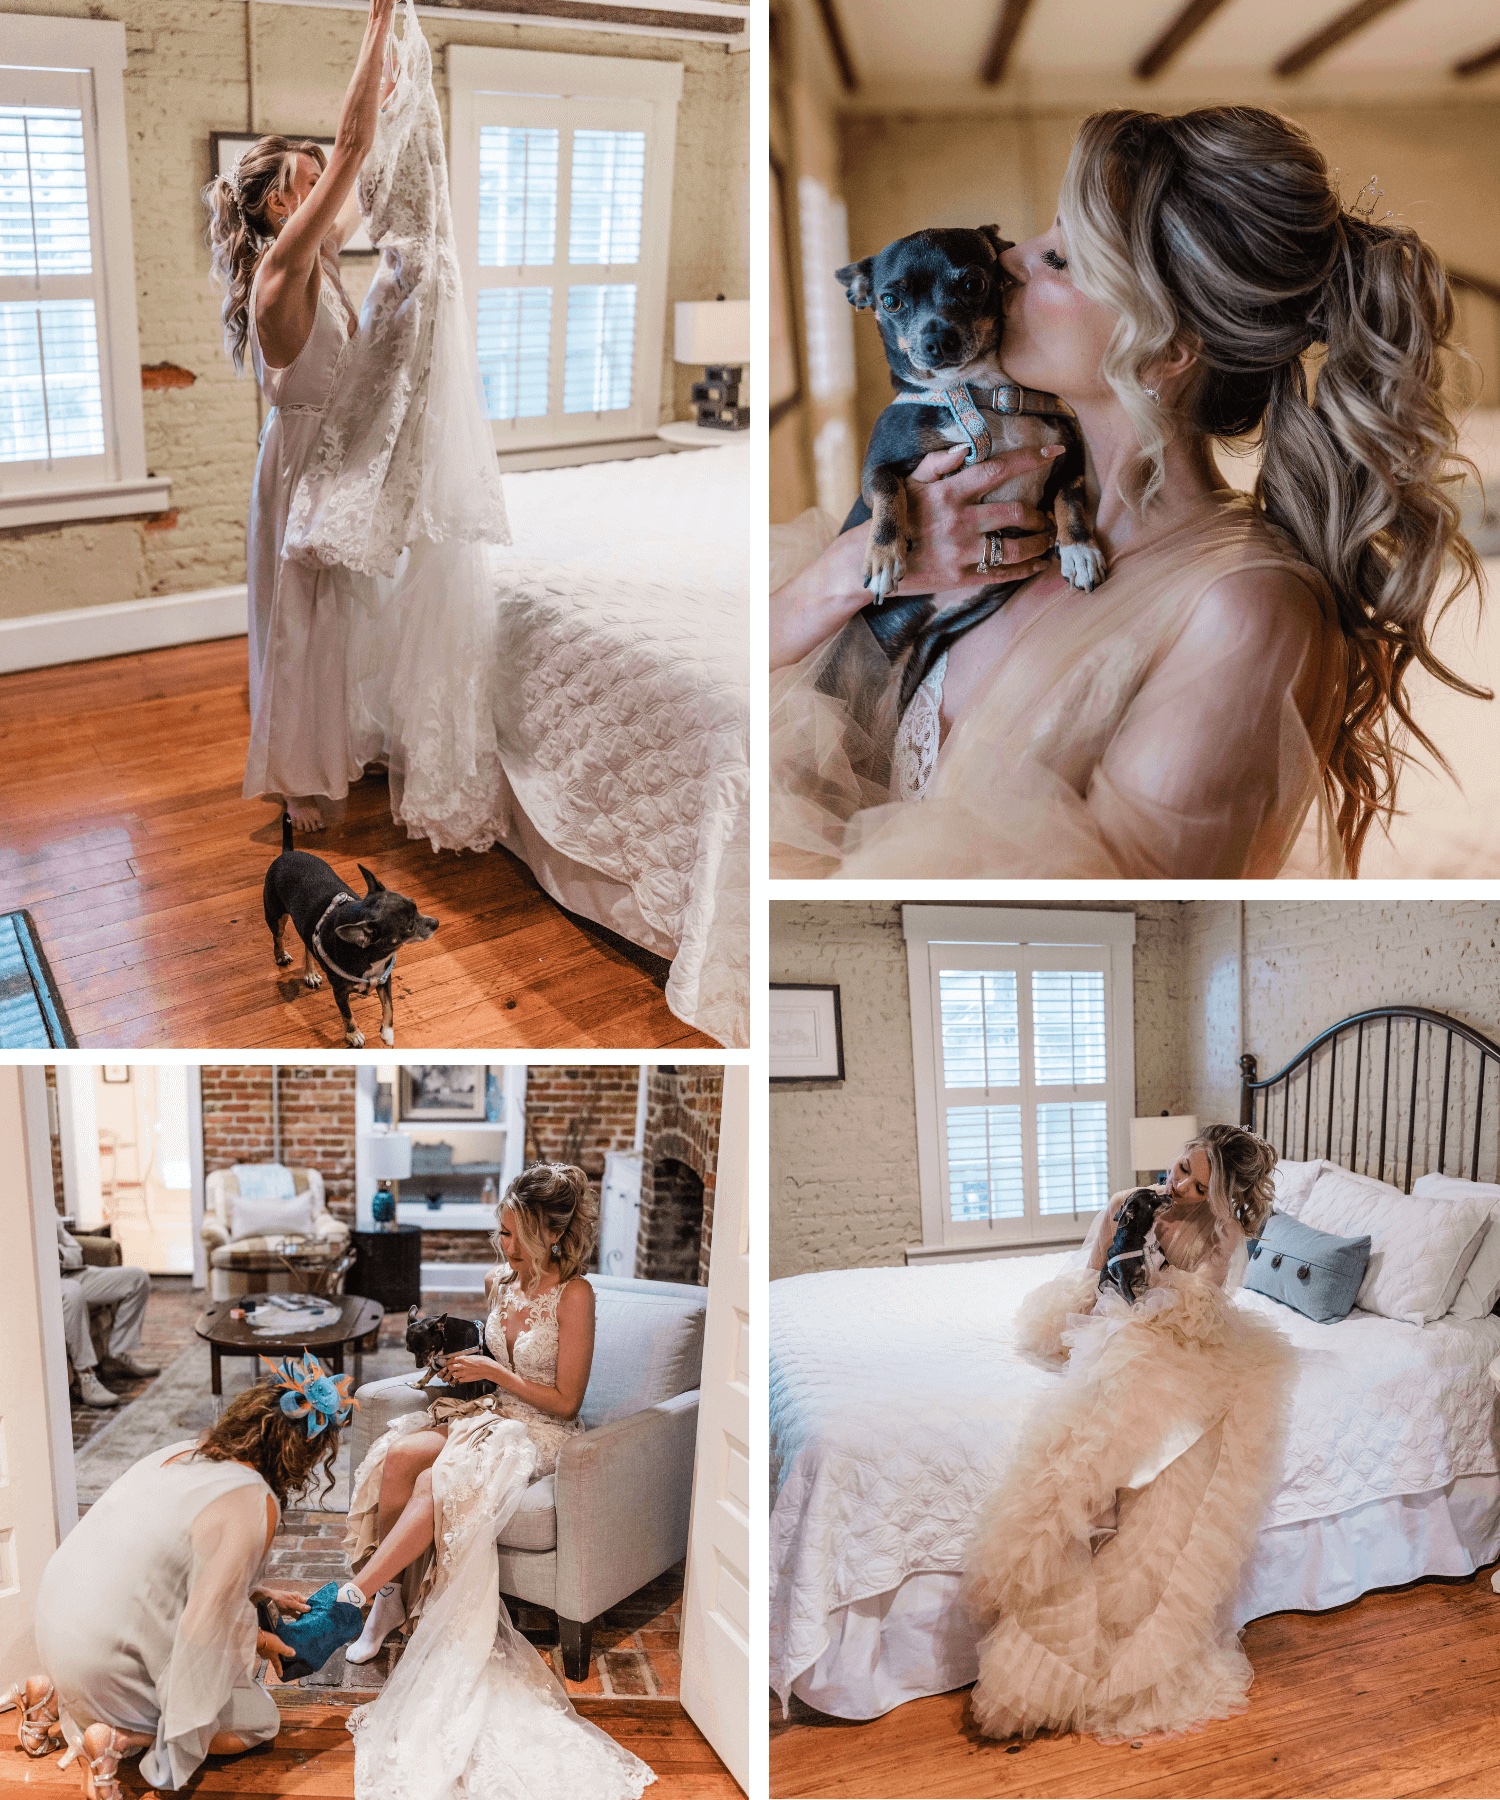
(312, 1393)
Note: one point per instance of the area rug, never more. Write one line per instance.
(32, 1015)
(178, 1405)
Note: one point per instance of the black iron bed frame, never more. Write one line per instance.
(1323, 1096)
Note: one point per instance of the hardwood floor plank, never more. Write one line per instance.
(123, 831)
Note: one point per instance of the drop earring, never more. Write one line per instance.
(1151, 394)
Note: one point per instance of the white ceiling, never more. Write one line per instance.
(930, 53)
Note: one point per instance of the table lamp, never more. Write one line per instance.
(1155, 1142)
(715, 334)
(389, 1159)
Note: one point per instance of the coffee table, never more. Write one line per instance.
(358, 1321)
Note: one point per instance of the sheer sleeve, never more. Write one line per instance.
(214, 1648)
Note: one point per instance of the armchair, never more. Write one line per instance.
(274, 1264)
(615, 1514)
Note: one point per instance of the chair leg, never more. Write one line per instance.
(577, 1639)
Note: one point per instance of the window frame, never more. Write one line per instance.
(1024, 939)
(95, 50)
(542, 82)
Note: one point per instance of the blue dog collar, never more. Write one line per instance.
(967, 406)
(970, 421)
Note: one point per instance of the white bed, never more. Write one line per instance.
(626, 711)
(895, 1394)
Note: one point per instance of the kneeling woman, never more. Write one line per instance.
(470, 1706)
(145, 1618)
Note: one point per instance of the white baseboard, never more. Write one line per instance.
(44, 640)
(453, 1278)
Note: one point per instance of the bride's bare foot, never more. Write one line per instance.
(305, 813)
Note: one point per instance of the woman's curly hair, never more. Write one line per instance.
(557, 1217)
(253, 1429)
(1240, 1174)
(239, 225)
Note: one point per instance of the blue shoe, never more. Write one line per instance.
(328, 1624)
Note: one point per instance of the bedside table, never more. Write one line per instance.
(388, 1266)
(689, 436)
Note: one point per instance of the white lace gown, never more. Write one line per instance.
(471, 1709)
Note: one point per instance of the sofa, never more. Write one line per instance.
(273, 1263)
(614, 1516)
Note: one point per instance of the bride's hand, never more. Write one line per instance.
(465, 1365)
(947, 519)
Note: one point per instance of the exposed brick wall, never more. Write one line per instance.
(317, 1123)
(579, 1113)
(682, 1123)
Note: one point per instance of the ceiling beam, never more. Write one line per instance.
(1175, 37)
(839, 49)
(1479, 62)
(1338, 30)
(1008, 23)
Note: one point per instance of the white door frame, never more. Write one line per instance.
(78, 1129)
(195, 1171)
(717, 1610)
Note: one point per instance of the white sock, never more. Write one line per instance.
(387, 1611)
(353, 1595)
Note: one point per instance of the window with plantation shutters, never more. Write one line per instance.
(1025, 1072)
(562, 202)
(71, 437)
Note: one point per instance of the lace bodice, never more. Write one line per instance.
(919, 735)
(534, 1356)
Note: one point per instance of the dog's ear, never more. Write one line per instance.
(992, 236)
(372, 885)
(858, 281)
(356, 933)
(411, 1314)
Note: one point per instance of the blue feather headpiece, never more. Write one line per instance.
(312, 1393)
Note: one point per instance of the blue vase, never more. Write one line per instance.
(383, 1208)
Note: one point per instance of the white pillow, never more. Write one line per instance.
(270, 1218)
(1419, 1253)
(1293, 1182)
(1480, 1288)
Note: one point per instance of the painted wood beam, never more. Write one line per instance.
(1338, 30)
(1175, 37)
(834, 32)
(1011, 18)
(1478, 63)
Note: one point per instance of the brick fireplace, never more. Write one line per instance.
(678, 1173)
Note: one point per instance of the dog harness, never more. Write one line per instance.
(968, 405)
(371, 978)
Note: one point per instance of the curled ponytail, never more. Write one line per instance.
(556, 1217)
(1328, 332)
(240, 228)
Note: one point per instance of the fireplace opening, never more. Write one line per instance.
(677, 1222)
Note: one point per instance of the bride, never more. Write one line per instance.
(470, 1706)
(1240, 673)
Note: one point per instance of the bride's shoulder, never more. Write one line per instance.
(1270, 608)
(575, 1299)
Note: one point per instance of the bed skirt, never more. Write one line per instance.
(918, 1639)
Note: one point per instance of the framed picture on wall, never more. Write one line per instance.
(442, 1091)
(807, 1032)
(225, 148)
(114, 1072)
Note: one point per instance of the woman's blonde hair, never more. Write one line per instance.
(1240, 1166)
(240, 229)
(1220, 231)
(253, 1429)
(557, 1218)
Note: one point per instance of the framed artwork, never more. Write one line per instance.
(786, 381)
(442, 1091)
(116, 1072)
(806, 1032)
(227, 147)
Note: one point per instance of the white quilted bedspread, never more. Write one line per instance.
(895, 1394)
(625, 720)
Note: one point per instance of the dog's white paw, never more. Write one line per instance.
(312, 979)
(387, 1035)
(1082, 565)
(355, 1038)
(283, 961)
(884, 567)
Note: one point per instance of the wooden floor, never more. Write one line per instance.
(123, 832)
(1395, 1694)
(314, 1755)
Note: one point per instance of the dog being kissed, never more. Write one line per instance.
(939, 300)
(352, 938)
(1125, 1267)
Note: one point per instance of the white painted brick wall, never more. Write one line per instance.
(186, 76)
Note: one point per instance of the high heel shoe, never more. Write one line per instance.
(39, 1732)
(100, 1781)
(387, 1611)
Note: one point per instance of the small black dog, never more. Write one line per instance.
(353, 938)
(440, 1335)
(939, 299)
(1125, 1267)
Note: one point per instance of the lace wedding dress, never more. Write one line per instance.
(471, 1709)
(402, 487)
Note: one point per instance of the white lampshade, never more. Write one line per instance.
(388, 1155)
(712, 331)
(1155, 1143)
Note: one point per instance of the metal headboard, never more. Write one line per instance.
(1398, 1087)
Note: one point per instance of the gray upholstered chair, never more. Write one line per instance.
(615, 1514)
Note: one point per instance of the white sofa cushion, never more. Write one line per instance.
(1480, 1287)
(1293, 1182)
(1419, 1253)
(269, 1218)
(533, 1525)
(648, 1347)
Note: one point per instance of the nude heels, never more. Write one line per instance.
(103, 1763)
(39, 1731)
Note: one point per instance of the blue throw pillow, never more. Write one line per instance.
(1313, 1272)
